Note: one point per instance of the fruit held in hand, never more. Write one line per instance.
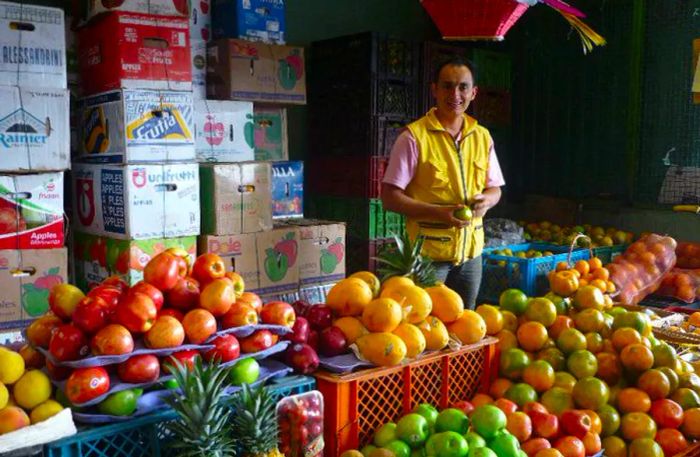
(464, 213)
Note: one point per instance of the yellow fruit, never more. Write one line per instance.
(382, 315)
(11, 366)
(382, 349)
(413, 299)
(412, 337)
(589, 297)
(435, 333)
(396, 281)
(351, 327)
(510, 321)
(32, 389)
(469, 328)
(506, 340)
(492, 317)
(45, 410)
(4, 395)
(447, 304)
(349, 297)
(371, 280)
(352, 453)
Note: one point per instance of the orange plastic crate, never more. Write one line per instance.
(356, 404)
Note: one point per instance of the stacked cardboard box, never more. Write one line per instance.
(135, 175)
(34, 139)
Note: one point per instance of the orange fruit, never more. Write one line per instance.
(631, 400)
(594, 342)
(396, 281)
(506, 340)
(623, 337)
(412, 337)
(540, 375)
(382, 315)
(557, 400)
(349, 297)
(550, 452)
(564, 283)
(481, 399)
(601, 284)
(645, 447)
(596, 423)
(560, 324)
(492, 317)
(413, 299)
(655, 384)
(595, 263)
(637, 425)
(435, 333)
(691, 423)
(614, 446)
(447, 304)
(589, 320)
(591, 443)
(513, 300)
(510, 321)
(582, 267)
(499, 387)
(694, 319)
(601, 273)
(532, 336)
(637, 357)
(469, 328)
(609, 367)
(589, 296)
(571, 340)
(561, 266)
(371, 280)
(351, 327)
(513, 362)
(541, 310)
(591, 393)
(610, 289)
(554, 357)
(564, 380)
(582, 364)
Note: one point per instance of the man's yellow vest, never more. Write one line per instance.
(448, 173)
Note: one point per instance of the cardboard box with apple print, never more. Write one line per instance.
(98, 257)
(267, 261)
(321, 250)
(26, 277)
(223, 131)
(270, 133)
(91, 8)
(200, 20)
(258, 72)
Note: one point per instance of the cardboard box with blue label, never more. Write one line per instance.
(33, 43)
(257, 72)
(270, 133)
(254, 20)
(34, 129)
(224, 131)
(236, 197)
(126, 126)
(287, 189)
(136, 201)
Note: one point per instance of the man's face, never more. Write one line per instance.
(454, 90)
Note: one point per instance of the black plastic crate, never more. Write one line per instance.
(362, 55)
(345, 176)
(432, 54)
(360, 136)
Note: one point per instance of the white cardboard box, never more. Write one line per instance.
(33, 44)
(157, 7)
(200, 20)
(34, 129)
(236, 197)
(198, 52)
(223, 131)
(125, 126)
(137, 201)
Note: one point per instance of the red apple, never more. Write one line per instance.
(57, 373)
(86, 384)
(117, 282)
(258, 341)
(239, 315)
(302, 358)
(534, 406)
(226, 348)
(167, 332)
(506, 406)
(301, 307)
(534, 445)
(150, 290)
(176, 313)
(217, 297)
(113, 339)
(300, 331)
(331, 342)
(252, 300)
(139, 369)
(319, 316)
(575, 422)
(545, 425)
(463, 406)
(68, 343)
(278, 313)
(63, 298)
(32, 357)
(199, 325)
(208, 267)
(237, 281)
(162, 271)
(39, 331)
(313, 339)
(186, 357)
(90, 314)
(184, 295)
(110, 294)
(136, 312)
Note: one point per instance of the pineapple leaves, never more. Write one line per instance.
(406, 260)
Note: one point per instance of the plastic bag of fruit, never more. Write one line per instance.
(681, 284)
(639, 270)
(688, 255)
(300, 420)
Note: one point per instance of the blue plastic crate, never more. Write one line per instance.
(529, 275)
(147, 436)
(607, 254)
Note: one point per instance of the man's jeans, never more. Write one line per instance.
(464, 279)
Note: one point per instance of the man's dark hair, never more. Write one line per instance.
(457, 61)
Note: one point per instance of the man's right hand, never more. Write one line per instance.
(445, 214)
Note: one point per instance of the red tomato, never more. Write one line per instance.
(85, 384)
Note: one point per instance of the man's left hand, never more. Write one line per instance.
(482, 203)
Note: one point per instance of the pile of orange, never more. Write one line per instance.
(681, 284)
(587, 272)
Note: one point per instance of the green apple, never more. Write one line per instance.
(399, 448)
(505, 445)
(245, 371)
(447, 444)
(452, 420)
(428, 411)
(367, 450)
(122, 403)
(413, 429)
(481, 452)
(385, 434)
(474, 440)
(464, 213)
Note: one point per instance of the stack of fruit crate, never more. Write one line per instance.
(368, 84)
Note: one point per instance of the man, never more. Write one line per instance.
(443, 162)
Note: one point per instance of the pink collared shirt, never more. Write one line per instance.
(404, 160)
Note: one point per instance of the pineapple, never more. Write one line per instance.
(406, 260)
(202, 427)
(255, 423)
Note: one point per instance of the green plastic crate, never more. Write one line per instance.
(607, 254)
(147, 436)
(365, 218)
